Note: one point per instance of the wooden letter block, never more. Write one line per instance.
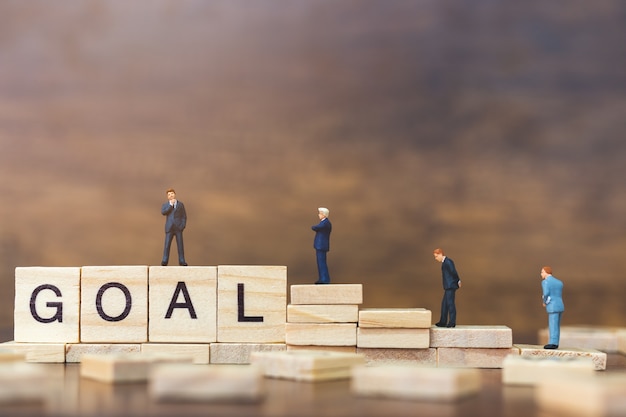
(47, 307)
(327, 294)
(321, 334)
(473, 357)
(530, 370)
(114, 304)
(122, 367)
(306, 365)
(426, 357)
(75, 352)
(598, 358)
(22, 383)
(252, 304)
(414, 382)
(198, 353)
(239, 353)
(411, 318)
(38, 352)
(219, 383)
(471, 337)
(322, 313)
(393, 338)
(183, 304)
(600, 338)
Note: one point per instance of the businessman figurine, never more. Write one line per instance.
(451, 282)
(175, 223)
(322, 244)
(553, 302)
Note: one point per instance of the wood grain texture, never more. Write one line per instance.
(466, 336)
(327, 294)
(374, 337)
(415, 318)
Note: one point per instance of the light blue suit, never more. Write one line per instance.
(553, 299)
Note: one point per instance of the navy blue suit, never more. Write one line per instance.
(175, 223)
(451, 281)
(321, 243)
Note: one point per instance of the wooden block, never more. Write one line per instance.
(9, 355)
(426, 357)
(198, 353)
(75, 352)
(621, 341)
(600, 395)
(530, 370)
(414, 382)
(327, 294)
(47, 304)
(38, 352)
(306, 365)
(122, 367)
(239, 353)
(252, 304)
(114, 304)
(471, 337)
(21, 383)
(473, 357)
(212, 383)
(601, 338)
(392, 338)
(598, 358)
(410, 318)
(321, 334)
(341, 349)
(183, 304)
(322, 313)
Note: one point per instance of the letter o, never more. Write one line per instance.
(129, 301)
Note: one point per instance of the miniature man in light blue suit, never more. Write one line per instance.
(553, 302)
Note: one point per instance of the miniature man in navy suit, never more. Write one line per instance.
(553, 302)
(322, 244)
(175, 223)
(451, 283)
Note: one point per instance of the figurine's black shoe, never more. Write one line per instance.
(551, 346)
(163, 263)
(451, 325)
(440, 324)
(183, 263)
(321, 282)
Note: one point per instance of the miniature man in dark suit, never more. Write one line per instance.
(553, 302)
(322, 244)
(175, 223)
(451, 283)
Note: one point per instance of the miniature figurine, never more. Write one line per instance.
(175, 223)
(451, 282)
(322, 244)
(553, 302)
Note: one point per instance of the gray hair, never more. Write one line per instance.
(324, 211)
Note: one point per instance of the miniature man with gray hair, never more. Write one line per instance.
(322, 244)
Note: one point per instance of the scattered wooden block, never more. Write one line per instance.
(21, 383)
(341, 349)
(621, 341)
(601, 338)
(392, 338)
(75, 352)
(47, 307)
(473, 357)
(239, 353)
(212, 383)
(327, 294)
(9, 355)
(322, 313)
(322, 334)
(412, 318)
(598, 358)
(38, 352)
(530, 370)
(414, 382)
(252, 303)
(121, 367)
(306, 365)
(426, 357)
(114, 304)
(183, 304)
(198, 353)
(471, 337)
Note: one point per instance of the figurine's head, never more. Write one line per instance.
(545, 272)
(438, 254)
(171, 194)
(323, 212)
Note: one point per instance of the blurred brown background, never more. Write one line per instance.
(492, 129)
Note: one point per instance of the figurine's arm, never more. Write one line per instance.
(546, 292)
(166, 208)
(184, 215)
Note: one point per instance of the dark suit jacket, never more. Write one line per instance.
(322, 235)
(176, 219)
(449, 275)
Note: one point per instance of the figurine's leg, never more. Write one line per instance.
(166, 249)
(323, 276)
(554, 327)
(443, 318)
(181, 248)
(450, 295)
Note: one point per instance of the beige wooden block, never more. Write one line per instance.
(374, 337)
(384, 356)
(411, 318)
(600, 395)
(252, 304)
(75, 352)
(38, 352)
(414, 382)
(9, 355)
(22, 383)
(183, 304)
(322, 313)
(471, 337)
(306, 365)
(598, 358)
(327, 294)
(341, 349)
(198, 353)
(239, 353)
(621, 341)
(321, 334)
(530, 370)
(114, 304)
(212, 383)
(47, 304)
(473, 357)
(122, 367)
(601, 338)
